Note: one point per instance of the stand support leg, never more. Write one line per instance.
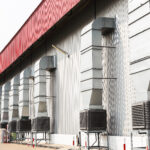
(98, 139)
(88, 142)
(148, 143)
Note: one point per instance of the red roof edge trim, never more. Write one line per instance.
(45, 16)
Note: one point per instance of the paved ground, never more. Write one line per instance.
(8, 146)
(20, 147)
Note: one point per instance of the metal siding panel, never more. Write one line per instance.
(116, 97)
(134, 4)
(45, 16)
(140, 26)
(139, 46)
(142, 65)
(139, 13)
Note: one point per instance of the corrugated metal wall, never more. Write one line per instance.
(67, 74)
(139, 27)
(45, 16)
(117, 91)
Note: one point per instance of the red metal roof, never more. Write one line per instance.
(43, 18)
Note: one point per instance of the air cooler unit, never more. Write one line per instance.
(93, 119)
(24, 125)
(141, 115)
(3, 125)
(41, 124)
(12, 126)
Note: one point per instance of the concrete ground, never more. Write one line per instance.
(7, 146)
(13, 146)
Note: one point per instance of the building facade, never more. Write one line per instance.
(71, 64)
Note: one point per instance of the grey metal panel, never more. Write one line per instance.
(140, 83)
(134, 4)
(140, 26)
(139, 46)
(140, 49)
(139, 13)
(68, 86)
(142, 65)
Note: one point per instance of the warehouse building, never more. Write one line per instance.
(77, 66)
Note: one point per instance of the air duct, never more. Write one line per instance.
(41, 121)
(92, 72)
(24, 123)
(13, 103)
(4, 104)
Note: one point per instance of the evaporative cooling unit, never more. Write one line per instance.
(12, 126)
(93, 119)
(41, 124)
(24, 124)
(141, 115)
(3, 125)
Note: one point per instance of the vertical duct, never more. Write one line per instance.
(24, 123)
(24, 93)
(4, 104)
(92, 72)
(41, 121)
(13, 103)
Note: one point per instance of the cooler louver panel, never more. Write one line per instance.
(24, 125)
(138, 116)
(12, 126)
(3, 125)
(94, 119)
(147, 115)
(141, 115)
(41, 124)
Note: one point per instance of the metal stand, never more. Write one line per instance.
(98, 134)
(37, 140)
(146, 132)
(20, 136)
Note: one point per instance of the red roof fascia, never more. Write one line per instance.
(43, 18)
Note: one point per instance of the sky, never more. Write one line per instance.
(13, 14)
